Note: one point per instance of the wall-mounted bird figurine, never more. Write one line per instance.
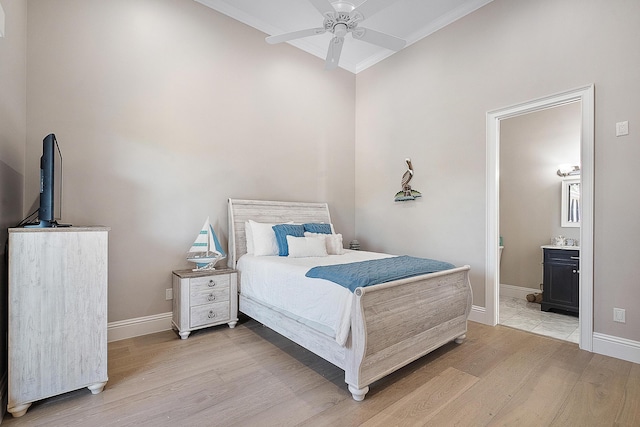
(407, 193)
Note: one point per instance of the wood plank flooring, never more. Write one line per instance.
(251, 376)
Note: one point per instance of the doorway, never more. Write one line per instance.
(534, 149)
(585, 96)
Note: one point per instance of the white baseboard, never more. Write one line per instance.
(620, 348)
(478, 314)
(516, 291)
(130, 328)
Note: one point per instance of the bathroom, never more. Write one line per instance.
(539, 219)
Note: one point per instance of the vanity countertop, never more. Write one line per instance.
(566, 248)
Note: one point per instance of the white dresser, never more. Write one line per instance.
(57, 313)
(204, 298)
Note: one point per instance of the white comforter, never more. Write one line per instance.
(281, 282)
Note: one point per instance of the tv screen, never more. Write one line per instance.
(50, 210)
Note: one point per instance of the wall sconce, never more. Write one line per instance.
(568, 170)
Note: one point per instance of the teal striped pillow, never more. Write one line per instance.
(315, 227)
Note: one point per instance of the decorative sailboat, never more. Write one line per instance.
(206, 251)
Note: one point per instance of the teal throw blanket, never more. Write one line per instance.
(372, 272)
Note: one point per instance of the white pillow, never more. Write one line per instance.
(263, 238)
(300, 247)
(248, 234)
(333, 242)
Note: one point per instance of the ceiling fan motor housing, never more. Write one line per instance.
(342, 20)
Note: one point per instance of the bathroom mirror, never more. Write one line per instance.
(570, 206)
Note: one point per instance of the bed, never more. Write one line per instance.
(389, 325)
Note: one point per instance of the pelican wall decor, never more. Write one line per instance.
(407, 193)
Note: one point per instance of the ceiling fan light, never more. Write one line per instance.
(340, 30)
(343, 6)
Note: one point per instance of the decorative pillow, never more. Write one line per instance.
(282, 231)
(263, 238)
(300, 247)
(315, 227)
(333, 242)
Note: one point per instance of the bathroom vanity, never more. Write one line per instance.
(561, 278)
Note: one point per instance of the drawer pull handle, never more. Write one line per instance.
(211, 314)
(211, 283)
(575, 271)
(212, 297)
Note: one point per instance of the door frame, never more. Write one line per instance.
(585, 95)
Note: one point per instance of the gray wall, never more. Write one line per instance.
(13, 114)
(13, 118)
(429, 102)
(531, 148)
(164, 110)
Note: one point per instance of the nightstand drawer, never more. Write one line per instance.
(217, 294)
(209, 283)
(209, 313)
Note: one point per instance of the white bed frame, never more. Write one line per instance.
(392, 323)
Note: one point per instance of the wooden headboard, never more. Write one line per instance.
(241, 211)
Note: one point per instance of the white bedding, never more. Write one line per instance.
(281, 283)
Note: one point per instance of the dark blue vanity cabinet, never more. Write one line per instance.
(561, 279)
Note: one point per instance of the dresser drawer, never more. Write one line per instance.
(209, 296)
(209, 313)
(199, 284)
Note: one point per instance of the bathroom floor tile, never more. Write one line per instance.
(518, 313)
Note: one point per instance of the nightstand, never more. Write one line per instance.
(204, 298)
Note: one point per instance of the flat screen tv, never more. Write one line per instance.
(50, 210)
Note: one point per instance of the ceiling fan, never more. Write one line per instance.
(340, 18)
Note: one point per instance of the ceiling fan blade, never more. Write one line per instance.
(370, 8)
(324, 7)
(333, 55)
(294, 35)
(378, 38)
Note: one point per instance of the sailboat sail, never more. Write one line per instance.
(201, 244)
(214, 243)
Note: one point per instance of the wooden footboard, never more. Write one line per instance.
(392, 323)
(395, 323)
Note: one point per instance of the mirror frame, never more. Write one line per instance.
(564, 203)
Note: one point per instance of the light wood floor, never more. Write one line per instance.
(250, 376)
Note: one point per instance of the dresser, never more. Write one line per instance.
(204, 298)
(57, 319)
(561, 278)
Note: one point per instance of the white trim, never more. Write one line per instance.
(1, 21)
(478, 314)
(516, 291)
(448, 18)
(130, 328)
(617, 347)
(586, 96)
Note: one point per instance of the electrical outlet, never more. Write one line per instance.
(619, 315)
(168, 293)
